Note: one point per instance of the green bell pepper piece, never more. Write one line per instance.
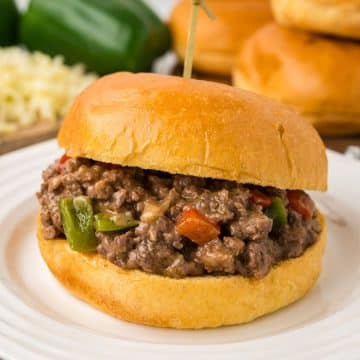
(105, 35)
(277, 212)
(9, 19)
(77, 219)
(108, 222)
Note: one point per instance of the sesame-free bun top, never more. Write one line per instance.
(318, 76)
(194, 127)
(218, 41)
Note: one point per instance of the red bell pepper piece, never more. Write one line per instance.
(260, 198)
(194, 225)
(61, 162)
(301, 203)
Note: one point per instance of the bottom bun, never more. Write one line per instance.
(189, 303)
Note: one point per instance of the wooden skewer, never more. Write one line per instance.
(189, 54)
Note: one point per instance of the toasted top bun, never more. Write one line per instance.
(194, 127)
(337, 17)
(217, 41)
(188, 303)
(319, 76)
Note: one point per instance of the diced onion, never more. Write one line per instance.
(153, 210)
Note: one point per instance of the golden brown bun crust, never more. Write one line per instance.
(194, 127)
(337, 17)
(319, 76)
(189, 303)
(217, 41)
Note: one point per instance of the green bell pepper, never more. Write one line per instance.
(105, 35)
(9, 19)
(78, 223)
(277, 212)
(108, 222)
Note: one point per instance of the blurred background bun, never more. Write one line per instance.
(319, 76)
(337, 17)
(218, 41)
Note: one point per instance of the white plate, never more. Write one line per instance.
(39, 319)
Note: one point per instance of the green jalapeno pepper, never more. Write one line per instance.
(114, 222)
(277, 212)
(78, 223)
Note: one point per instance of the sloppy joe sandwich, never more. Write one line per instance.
(180, 203)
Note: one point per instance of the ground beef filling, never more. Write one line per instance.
(245, 245)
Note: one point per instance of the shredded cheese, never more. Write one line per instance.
(35, 87)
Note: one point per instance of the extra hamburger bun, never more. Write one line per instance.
(318, 76)
(217, 41)
(193, 302)
(194, 127)
(337, 17)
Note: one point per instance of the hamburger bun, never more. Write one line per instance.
(336, 17)
(194, 127)
(192, 302)
(318, 76)
(217, 41)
